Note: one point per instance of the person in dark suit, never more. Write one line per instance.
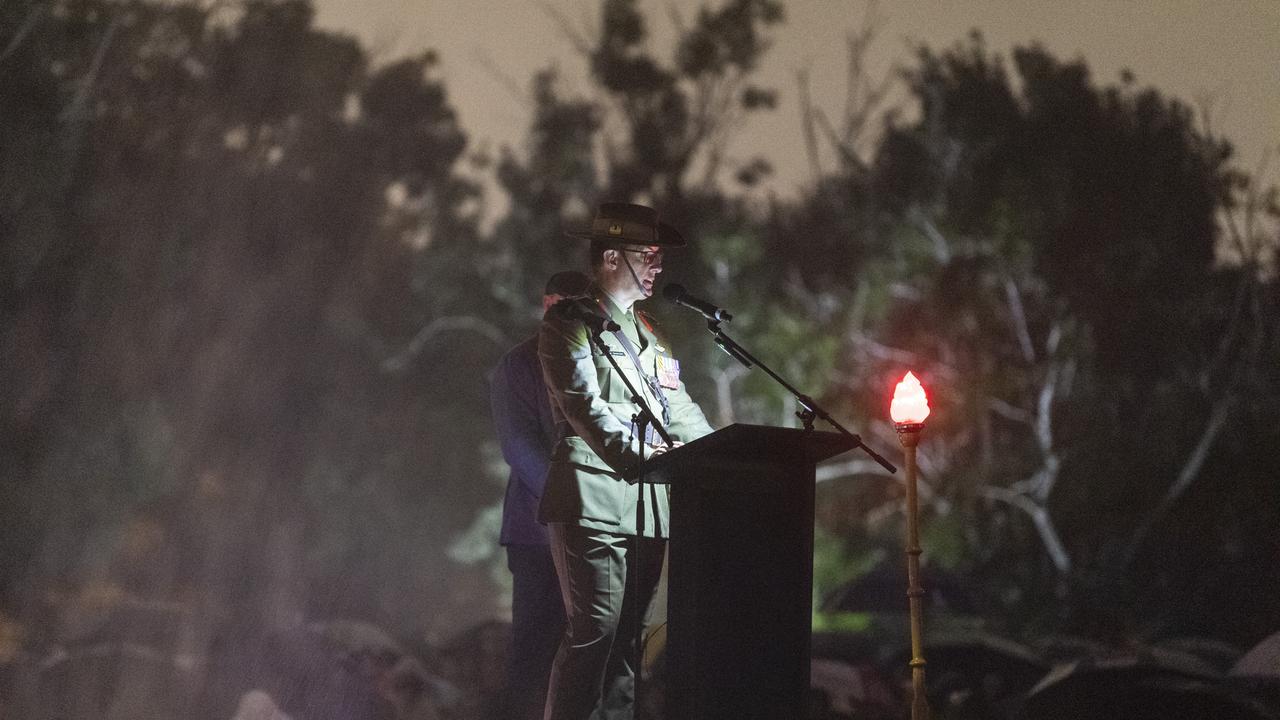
(608, 531)
(527, 432)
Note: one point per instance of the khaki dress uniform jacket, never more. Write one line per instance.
(591, 478)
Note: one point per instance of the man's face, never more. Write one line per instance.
(645, 262)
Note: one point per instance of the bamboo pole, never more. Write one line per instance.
(909, 436)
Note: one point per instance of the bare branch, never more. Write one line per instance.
(880, 514)
(1010, 411)
(858, 309)
(1019, 317)
(856, 45)
(713, 121)
(925, 460)
(76, 108)
(881, 351)
(941, 248)
(1039, 486)
(1054, 338)
(851, 159)
(849, 468)
(576, 37)
(1044, 408)
(508, 82)
(1040, 518)
(860, 342)
(26, 27)
(860, 100)
(1032, 494)
(1067, 376)
(867, 468)
(1233, 231)
(1218, 417)
(724, 379)
(790, 405)
(806, 123)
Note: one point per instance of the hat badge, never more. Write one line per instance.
(615, 229)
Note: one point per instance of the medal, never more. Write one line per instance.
(668, 372)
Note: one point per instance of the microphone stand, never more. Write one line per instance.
(811, 408)
(640, 422)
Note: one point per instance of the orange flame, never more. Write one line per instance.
(909, 402)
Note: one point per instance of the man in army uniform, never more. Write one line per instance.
(608, 531)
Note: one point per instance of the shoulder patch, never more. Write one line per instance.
(562, 307)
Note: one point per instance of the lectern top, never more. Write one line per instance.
(740, 443)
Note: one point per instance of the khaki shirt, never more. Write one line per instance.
(590, 481)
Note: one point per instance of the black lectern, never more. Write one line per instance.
(740, 581)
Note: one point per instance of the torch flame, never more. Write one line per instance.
(909, 402)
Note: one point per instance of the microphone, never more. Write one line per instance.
(678, 295)
(597, 323)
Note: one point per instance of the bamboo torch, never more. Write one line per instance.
(909, 409)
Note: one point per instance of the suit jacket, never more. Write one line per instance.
(590, 480)
(527, 432)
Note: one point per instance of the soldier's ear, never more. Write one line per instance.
(611, 258)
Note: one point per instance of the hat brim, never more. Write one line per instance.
(668, 237)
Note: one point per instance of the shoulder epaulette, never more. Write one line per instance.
(566, 302)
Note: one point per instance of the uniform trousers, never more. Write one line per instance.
(537, 625)
(607, 595)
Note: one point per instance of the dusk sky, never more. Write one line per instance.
(1224, 52)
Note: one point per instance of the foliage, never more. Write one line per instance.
(220, 228)
(1051, 255)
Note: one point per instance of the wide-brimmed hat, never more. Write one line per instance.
(628, 224)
